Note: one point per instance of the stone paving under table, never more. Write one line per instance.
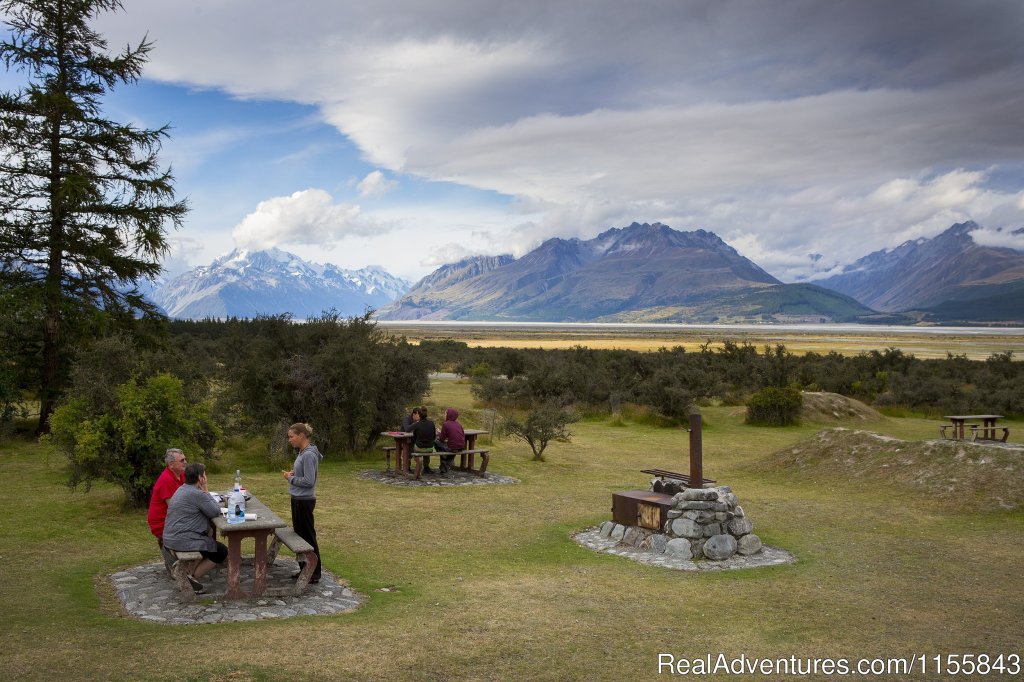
(452, 478)
(767, 556)
(148, 593)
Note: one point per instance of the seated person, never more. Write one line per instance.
(408, 420)
(451, 439)
(170, 479)
(187, 528)
(423, 435)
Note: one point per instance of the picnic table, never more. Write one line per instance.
(984, 427)
(404, 455)
(259, 529)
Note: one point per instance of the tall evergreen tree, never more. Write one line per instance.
(84, 203)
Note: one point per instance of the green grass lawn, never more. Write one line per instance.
(490, 584)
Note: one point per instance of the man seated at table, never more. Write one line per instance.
(167, 483)
(452, 438)
(409, 419)
(424, 433)
(188, 524)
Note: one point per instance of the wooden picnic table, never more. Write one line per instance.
(984, 430)
(259, 529)
(404, 454)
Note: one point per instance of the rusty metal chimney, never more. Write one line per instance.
(696, 452)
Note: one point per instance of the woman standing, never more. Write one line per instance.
(302, 487)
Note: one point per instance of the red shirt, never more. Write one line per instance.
(164, 488)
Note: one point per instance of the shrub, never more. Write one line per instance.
(773, 406)
(543, 424)
(125, 445)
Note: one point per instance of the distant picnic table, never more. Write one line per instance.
(983, 428)
(404, 455)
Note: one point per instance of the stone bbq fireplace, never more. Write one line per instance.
(679, 517)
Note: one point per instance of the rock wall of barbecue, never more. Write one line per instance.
(704, 523)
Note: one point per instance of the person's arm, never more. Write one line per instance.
(210, 508)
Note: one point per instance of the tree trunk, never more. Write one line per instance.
(51, 379)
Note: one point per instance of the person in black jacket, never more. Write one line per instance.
(423, 434)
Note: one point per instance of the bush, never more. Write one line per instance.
(543, 424)
(346, 378)
(773, 406)
(125, 444)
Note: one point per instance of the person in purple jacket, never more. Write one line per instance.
(452, 438)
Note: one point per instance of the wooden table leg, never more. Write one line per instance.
(234, 567)
(259, 583)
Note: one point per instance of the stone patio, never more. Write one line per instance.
(148, 593)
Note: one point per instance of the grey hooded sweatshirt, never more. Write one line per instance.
(302, 484)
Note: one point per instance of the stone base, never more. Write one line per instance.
(452, 478)
(148, 593)
(591, 538)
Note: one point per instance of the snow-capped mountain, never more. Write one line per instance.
(247, 283)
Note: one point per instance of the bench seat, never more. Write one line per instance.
(184, 565)
(976, 431)
(303, 552)
(466, 460)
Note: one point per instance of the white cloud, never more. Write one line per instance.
(785, 130)
(306, 217)
(375, 184)
(1011, 239)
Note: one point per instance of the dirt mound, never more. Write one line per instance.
(832, 407)
(963, 474)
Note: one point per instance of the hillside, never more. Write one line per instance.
(938, 276)
(961, 474)
(646, 272)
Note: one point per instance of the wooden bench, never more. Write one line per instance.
(942, 432)
(388, 451)
(467, 457)
(977, 429)
(303, 552)
(184, 565)
(467, 461)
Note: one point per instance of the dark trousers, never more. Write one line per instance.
(446, 460)
(302, 522)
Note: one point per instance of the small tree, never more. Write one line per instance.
(542, 425)
(125, 444)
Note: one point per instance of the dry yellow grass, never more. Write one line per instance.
(976, 344)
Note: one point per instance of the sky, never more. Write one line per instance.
(409, 134)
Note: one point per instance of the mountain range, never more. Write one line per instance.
(949, 278)
(641, 273)
(247, 283)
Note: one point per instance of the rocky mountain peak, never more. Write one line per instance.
(246, 283)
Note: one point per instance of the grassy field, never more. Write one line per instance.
(489, 584)
(975, 343)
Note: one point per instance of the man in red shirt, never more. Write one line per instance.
(170, 480)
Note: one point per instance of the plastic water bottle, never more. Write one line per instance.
(236, 503)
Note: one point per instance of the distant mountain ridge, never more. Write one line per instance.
(643, 272)
(247, 283)
(940, 277)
